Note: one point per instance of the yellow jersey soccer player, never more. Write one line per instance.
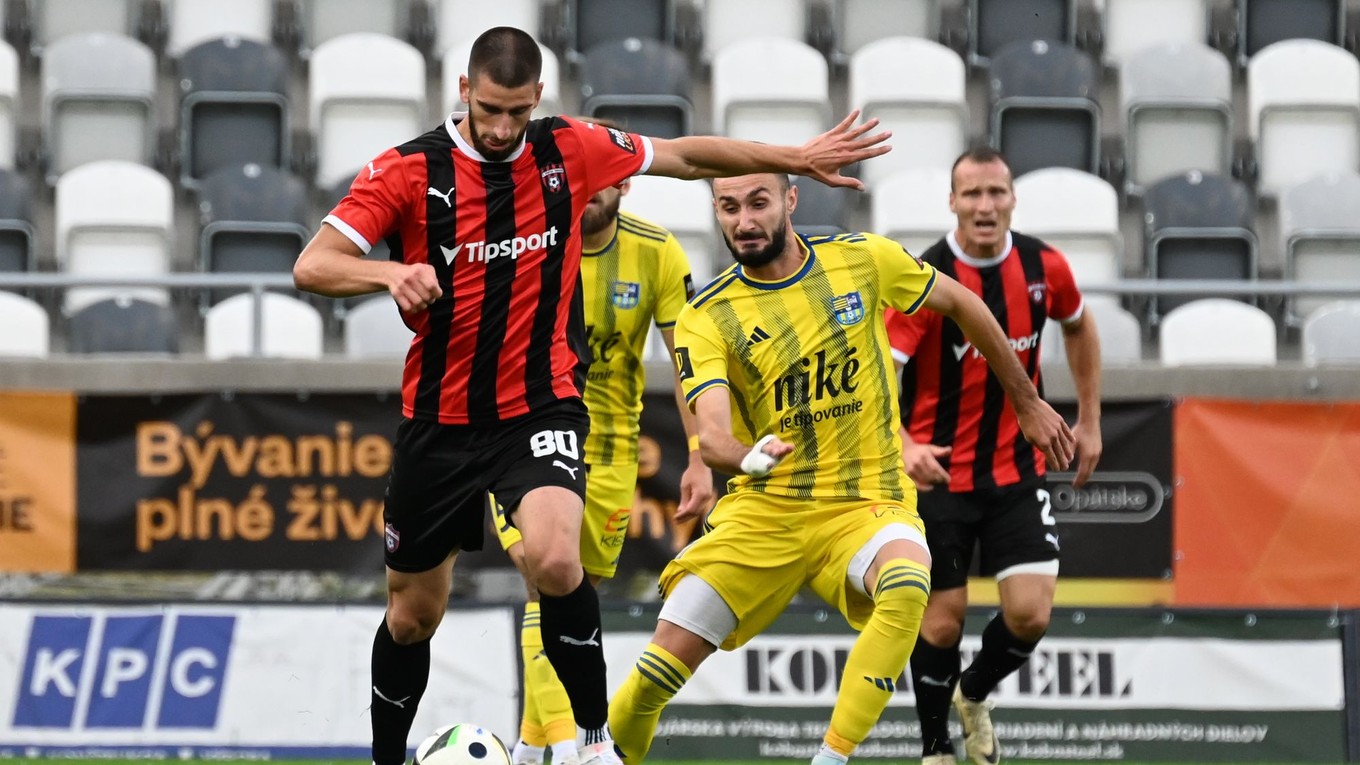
(787, 350)
(633, 272)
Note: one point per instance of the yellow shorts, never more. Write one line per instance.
(610, 490)
(763, 548)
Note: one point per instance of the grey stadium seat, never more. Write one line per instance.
(1044, 109)
(1320, 229)
(822, 210)
(233, 108)
(124, 325)
(643, 84)
(16, 224)
(1263, 22)
(595, 22)
(994, 24)
(1198, 226)
(254, 221)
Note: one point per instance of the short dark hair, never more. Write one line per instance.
(507, 56)
(981, 154)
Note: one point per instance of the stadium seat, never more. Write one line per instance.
(1131, 26)
(1331, 334)
(289, 329)
(726, 22)
(367, 95)
(912, 207)
(191, 22)
(9, 106)
(99, 96)
(254, 220)
(374, 330)
(1198, 226)
(861, 22)
(124, 324)
(323, 20)
(822, 209)
(234, 107)
(459, 22)
(1044, 109)
(1303, 98)
(1177, 104)
(596, 22)
(454, 64)
(114, 218)
(1121, 336)
(770, 89)
(27, 329)
(16, 224)
(1214, 331)
(1262, 23)
(1320, 235)
(685, 208)
(995, 24)
(1077, 213)
(642, 84)
(51, 20)
(916, 88)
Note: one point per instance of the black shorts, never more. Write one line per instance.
(436, 493)
(1011, 524)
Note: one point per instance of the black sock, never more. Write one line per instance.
(400, 673)
(934, 671)
(572, 641)
(1002, 653)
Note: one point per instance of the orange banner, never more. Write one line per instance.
(1268, 504)
(37, 482)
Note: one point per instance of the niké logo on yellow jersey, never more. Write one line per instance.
(818, 379)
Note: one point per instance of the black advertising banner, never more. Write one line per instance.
(221, 481)
(1119, 524)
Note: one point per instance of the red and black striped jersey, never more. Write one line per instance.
(508, 334)
(949, 395)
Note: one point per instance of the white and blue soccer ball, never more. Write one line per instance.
(462, 744)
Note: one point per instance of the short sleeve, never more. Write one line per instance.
(676, 285)
(699, 356)
(372, 209)
(905, 279)
(905, 332)
(610, 154)
(1065, 300)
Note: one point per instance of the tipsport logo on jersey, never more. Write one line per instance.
(123, 672)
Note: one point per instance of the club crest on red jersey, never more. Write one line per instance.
(622, 140)
(553, 177)
(391, 537)
(1037, 291)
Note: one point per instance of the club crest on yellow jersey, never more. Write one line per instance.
(626, 294)
(848, 308)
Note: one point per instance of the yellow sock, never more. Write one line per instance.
(547, 710)
(636, 707)
(880, 653)
(531, 645)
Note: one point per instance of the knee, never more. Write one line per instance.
(1029, 624)
(558, 572)
(942, 627)
(412, 624)
(901, 594)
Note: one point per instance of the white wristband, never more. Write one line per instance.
(757, 463)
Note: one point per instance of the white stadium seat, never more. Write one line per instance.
(1215, 331)
(1078, 214)
(194, 21)
(912, 206)
(27, 328)
(770, 89)
(374, 329)
(99, 96)
(289, 328)
(685, 208)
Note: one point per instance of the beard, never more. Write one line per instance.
(597, 218)
(490, 154)
(763, 256)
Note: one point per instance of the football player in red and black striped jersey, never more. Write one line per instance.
(482, 217)
(961, 434)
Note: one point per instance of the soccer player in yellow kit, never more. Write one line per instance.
(633, 272)
(785, 360)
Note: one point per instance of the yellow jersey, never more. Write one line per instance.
(807, 359)
(640, 277)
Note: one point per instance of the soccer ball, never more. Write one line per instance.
(462, 744)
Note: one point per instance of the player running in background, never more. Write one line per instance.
(481, 214)
(961, 433)
(787, 350)
(633, 272)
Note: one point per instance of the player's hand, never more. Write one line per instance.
(1046, 430)
(1089, 448)
(696, 490)
(923, 464)
(414, 286)
(766, 453)
(841, 146)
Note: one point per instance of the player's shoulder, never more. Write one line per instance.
(718, 289)
(434, 139)
(635, 227)
(1032, 245)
